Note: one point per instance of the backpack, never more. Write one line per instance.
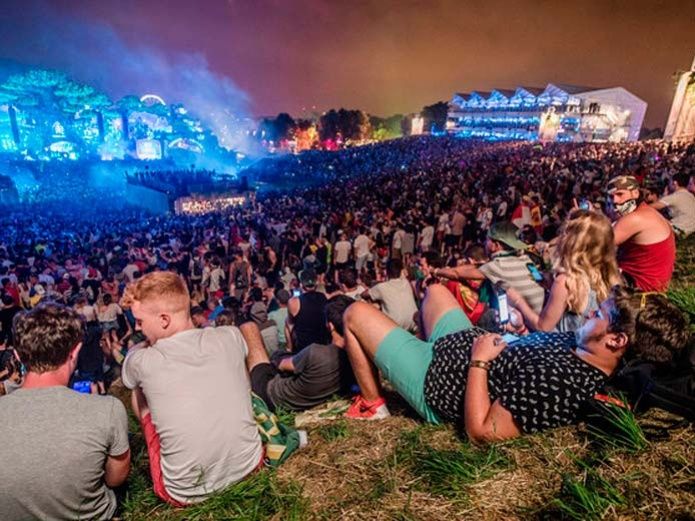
(644, 386)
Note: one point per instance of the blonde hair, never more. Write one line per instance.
(586, 254)
(163, 288)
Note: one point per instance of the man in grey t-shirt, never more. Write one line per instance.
(311, 376)
(395, 297)
(62, 452)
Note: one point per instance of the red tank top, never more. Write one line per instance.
(649, 265)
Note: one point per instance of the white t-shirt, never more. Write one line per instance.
(443, 223)
(397, 301)
(355, 293)
(198, 391)
(129, 271)
(361, 246)
(398, 239)
(426, 236)
(110, 312)
(342, 251)
(216, 278)
(681, 203)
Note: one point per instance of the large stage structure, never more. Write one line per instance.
(46, 116)
(681, 119)
(564, 113)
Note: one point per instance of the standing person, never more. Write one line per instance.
(426, 237)
(7, 313)
(305, 322)
(108, 312)
(240, 275)
(645, 240)
(195, 447)
(362, 248)
(457, 223)
(279, 316)
(90, 363)
(397, 242)
(341, 254)
(62, 452)
(216, 276)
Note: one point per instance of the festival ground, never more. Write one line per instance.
(402, 469)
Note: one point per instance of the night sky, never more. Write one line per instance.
(382, 56)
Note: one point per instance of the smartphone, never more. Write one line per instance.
(584, 205)
(509, 338)
(535, 272)
(82, 386)
(502, 307)
(296, 293)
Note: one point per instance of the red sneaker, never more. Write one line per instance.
(364, 410)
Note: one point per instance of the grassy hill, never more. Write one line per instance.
(401, 469)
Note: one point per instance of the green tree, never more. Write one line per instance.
(435, 116)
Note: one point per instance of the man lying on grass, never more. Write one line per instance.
(494, 389)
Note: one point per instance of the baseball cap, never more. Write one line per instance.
(622, 182)
(505, 232)
(308, 278)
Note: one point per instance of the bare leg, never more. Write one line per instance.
(257, 352)
(365, 328)
(438, 302)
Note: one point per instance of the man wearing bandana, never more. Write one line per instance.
(645, 239)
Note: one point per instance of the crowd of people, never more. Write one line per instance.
(495, 286)
(177, 183)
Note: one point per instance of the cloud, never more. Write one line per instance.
(93, 52)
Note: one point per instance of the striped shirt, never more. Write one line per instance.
(510, 270)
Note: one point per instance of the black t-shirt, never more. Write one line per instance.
(6, 318)
(320, 372)
(537, 378)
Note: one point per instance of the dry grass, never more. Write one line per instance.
(369, 473)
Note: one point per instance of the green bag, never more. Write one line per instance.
(280, 440)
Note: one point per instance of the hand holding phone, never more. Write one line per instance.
(502, 306)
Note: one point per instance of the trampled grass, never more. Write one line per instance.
(587, 497)
(619, 429)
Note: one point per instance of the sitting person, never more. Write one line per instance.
(395, 296)
(62, 452)
(585, 271)
(507, 266)
(467, 291)
(680, 203)
(646, 242)
(497, 391)
(191, 395)
(311, 376)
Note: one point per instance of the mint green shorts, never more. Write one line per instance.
(404, 359)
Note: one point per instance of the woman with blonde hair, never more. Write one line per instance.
(584, 268)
